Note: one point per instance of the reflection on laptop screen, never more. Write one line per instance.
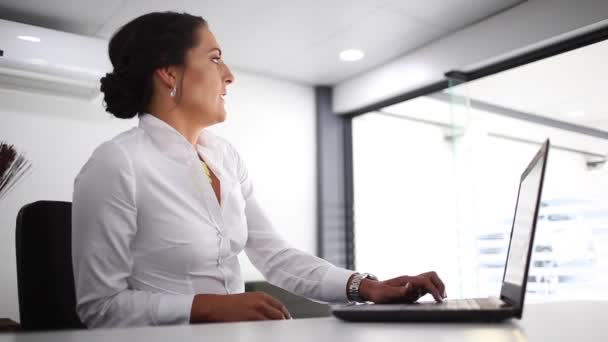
(522, 227)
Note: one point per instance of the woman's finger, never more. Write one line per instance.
(278, 305)
(270, 312)
(437, 282)
(426, 284)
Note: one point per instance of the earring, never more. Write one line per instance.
(173, 91)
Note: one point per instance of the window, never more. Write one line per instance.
(436, 178)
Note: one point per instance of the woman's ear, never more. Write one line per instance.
(168, 76)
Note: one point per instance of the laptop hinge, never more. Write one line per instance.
(508, 301)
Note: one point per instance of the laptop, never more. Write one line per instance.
(511, 301)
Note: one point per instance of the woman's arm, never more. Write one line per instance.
(288, 267)
(313, 277)
(104, 222)
(281, 264)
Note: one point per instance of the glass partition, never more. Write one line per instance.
(436, 178)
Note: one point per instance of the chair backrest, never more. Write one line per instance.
(45, 278)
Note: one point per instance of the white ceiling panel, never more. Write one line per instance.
(297, 40)
(234, 13)
(381, 34)
(283, 41)
(78, 16)
(451, 14)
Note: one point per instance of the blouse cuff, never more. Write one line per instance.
(333, 285)
(174, 309)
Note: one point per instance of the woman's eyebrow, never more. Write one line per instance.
(218, 49)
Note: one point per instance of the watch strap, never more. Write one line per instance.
(355, 284)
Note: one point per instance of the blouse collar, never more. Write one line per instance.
(176, 146)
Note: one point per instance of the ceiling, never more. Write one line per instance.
(296, 40)
(569, 87)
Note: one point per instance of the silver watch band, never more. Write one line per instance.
(353, 288)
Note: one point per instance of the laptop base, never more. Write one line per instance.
(415, 313)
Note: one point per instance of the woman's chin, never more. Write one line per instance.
(214, 118)
(221, 117)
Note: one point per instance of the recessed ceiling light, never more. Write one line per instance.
(36, 61)
(351, 55)
(577, 114)
(29, 38)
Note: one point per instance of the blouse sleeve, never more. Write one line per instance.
(104, 222)
(281, 264)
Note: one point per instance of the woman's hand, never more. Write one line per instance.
(404, 289)
(248, 306)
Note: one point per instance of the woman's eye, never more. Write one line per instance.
(218, 58)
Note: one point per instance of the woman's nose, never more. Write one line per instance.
(229, 77)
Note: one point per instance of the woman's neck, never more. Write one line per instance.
(181, 123)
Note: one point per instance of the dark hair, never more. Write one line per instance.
(146, 43)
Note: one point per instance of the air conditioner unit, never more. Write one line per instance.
(38, 59)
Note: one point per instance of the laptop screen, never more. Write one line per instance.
(523, 223)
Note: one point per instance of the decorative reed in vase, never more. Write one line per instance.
(13, 168)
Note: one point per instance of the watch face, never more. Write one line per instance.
(371, 276)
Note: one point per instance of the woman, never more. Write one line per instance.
(160, 212)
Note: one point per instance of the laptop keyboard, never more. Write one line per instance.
(446, 305)
(463, 304)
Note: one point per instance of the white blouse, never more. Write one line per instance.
(148, 232)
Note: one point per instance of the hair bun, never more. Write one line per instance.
(146, 43)
(121, 94)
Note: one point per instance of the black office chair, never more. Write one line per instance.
(45, 278)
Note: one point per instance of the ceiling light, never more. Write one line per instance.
(29, 38)
(36, 61)
(577, 114)
(351, 55)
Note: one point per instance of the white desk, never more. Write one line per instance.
(565, 321)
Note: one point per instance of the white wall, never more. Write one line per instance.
(270, 122)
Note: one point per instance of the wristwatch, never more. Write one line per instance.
(353, 288)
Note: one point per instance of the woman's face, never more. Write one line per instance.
(205, 79)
